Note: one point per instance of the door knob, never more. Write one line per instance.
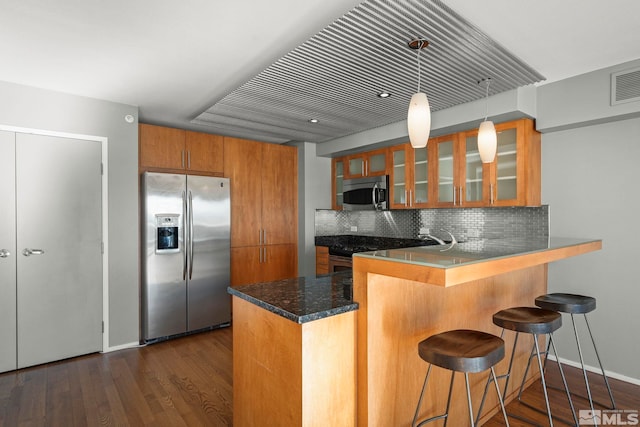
(29, 252)
(4, 253)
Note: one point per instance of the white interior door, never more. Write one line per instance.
(7, 252)
(59, 245)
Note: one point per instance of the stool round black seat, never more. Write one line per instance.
(460, 350)
(567, 303)
(530, 320)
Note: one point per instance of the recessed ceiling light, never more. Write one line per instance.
(383, 94)
(313, 120)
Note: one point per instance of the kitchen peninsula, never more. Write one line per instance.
(407, 295)
(402, 297)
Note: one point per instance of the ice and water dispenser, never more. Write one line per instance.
(167, 229)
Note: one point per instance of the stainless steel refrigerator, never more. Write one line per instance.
(186, 254)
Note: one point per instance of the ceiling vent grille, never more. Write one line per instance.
(625, 86)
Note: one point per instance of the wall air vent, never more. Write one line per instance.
(625, 86)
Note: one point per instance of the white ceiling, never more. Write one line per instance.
(174, 59)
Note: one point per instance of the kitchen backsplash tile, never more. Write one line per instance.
(465, 223)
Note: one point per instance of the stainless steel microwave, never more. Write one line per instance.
(366, 194)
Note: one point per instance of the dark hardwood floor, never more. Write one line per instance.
(184, 382)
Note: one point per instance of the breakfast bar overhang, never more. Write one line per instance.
(407, 295)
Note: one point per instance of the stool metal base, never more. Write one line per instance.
(578, 304)
(445, 415)
(535, 352)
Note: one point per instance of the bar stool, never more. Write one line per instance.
(460, 351)
(534, 321)
(577, 304)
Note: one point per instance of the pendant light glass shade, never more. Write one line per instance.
(419, 115)
(419, 120)
(487, 141)
(487, 137)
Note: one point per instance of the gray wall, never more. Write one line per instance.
(313, 193)
(589, 179)
(29, 107)
(590, 150)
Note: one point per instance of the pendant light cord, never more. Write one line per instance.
(418, 56)
(487, 100)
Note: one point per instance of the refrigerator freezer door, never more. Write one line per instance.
(164, 291)
(209, 258)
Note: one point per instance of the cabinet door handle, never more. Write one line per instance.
(264, 248)
(264, 236)
(189, 159)
(260, 236)
(182, 157)
(405, 198)
(460, 198)
(454, 195)
(4, 253)
(491, 193)
(410, 197)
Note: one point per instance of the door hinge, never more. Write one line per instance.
(101, 168)
(103, 326)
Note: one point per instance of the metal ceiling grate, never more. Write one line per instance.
(336, 75)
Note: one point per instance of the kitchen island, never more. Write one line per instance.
(407, 295)
(294, 352)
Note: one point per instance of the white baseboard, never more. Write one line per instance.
(610, 374)
(122, 347)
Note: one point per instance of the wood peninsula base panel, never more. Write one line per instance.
(395, 314)
(290, 374)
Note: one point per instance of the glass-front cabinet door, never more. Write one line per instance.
(448, 190)
(504, 189)
(371, 163)
(400, 178)
(474, 173)
(337, 167)
(409, 177)
(420, 193)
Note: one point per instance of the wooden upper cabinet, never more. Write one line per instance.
(204, 152)
(370, 163)
(513, 178)
(180, 151)
(449, 172)
(409, 177)
(161, 147)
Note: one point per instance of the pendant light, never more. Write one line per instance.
(419, 115)
(487, 138)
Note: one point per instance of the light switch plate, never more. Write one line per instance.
(354, 228)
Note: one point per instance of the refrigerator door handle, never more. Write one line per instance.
(184, 241)
(190, 234)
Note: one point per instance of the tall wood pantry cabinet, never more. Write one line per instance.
(264, 210)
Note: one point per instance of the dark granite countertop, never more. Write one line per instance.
(303, 299)
(346, 244)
